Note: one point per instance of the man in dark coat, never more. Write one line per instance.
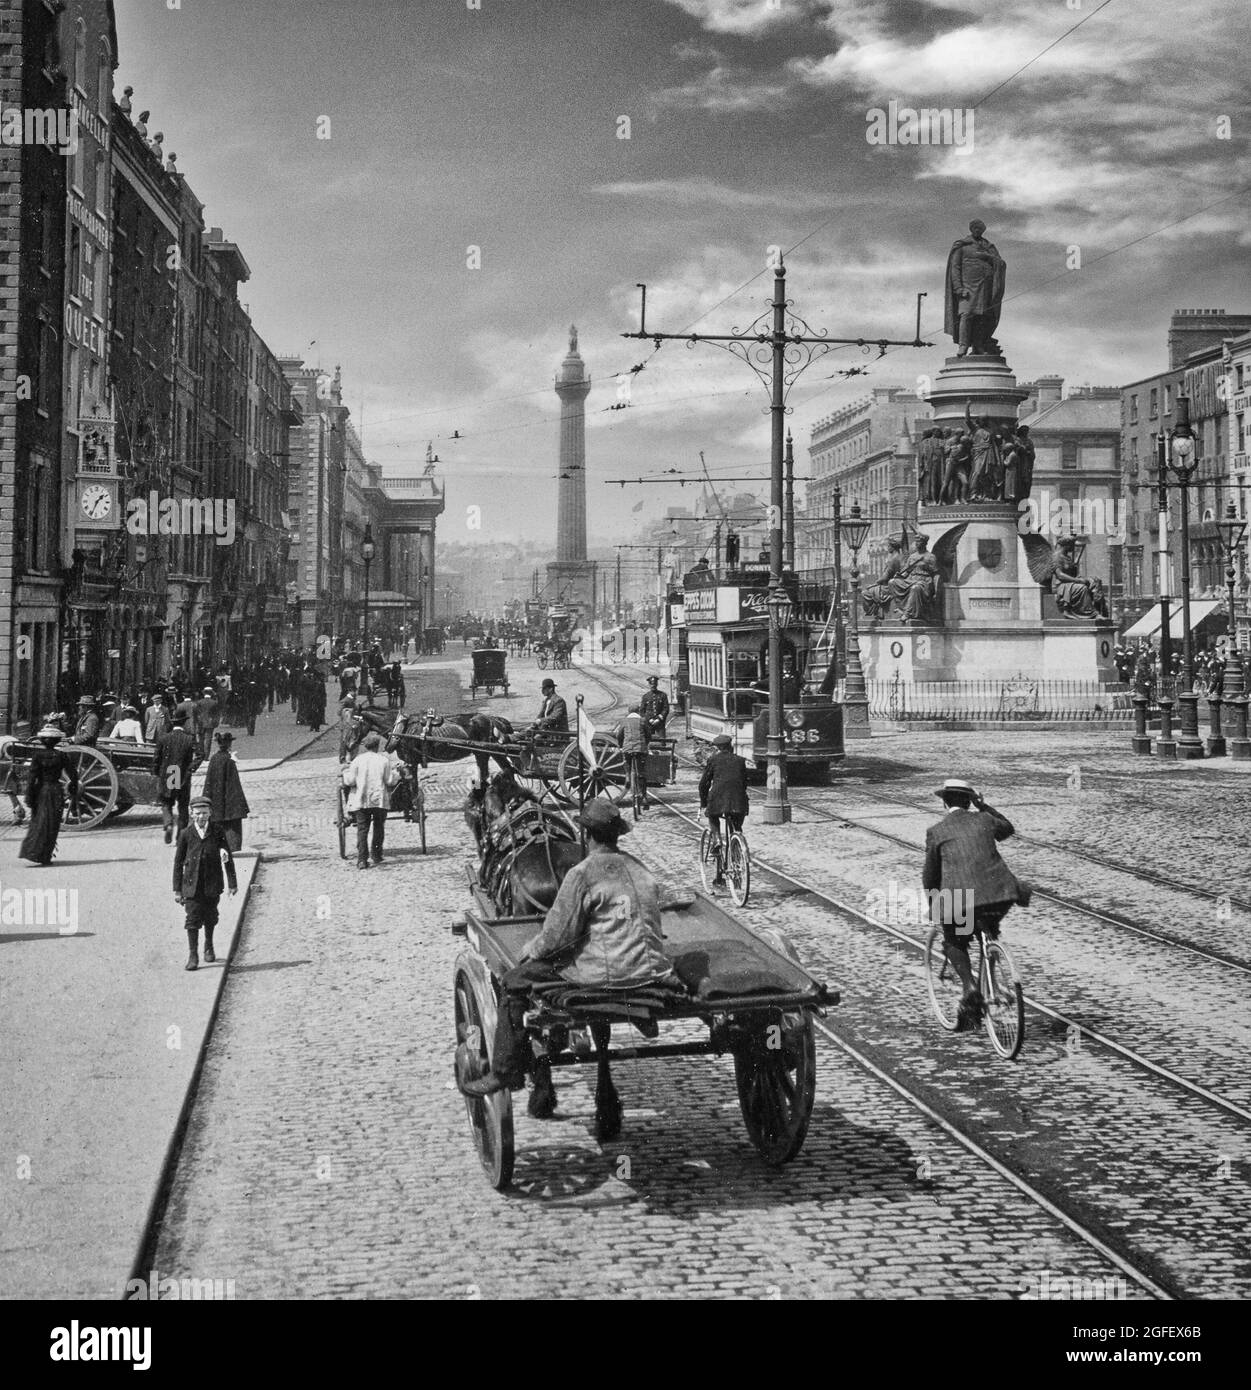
(198, 878)
(87, 730)
(207, 714)
(723, 789)
(315, 699)
(175, 759)
(969, 886)
(654, 707)
(553, 712)
(224, 791)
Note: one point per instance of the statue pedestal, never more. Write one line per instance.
(996, 630)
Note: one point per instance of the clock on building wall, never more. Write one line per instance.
(97, 506)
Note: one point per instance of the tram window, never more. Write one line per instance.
(743, 670)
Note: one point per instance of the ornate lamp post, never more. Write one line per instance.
(1183, 462)
(854, 529)
(1232, 530)
(367, 554)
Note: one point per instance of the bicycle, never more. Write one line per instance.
(1003, 1001)
(729, 857)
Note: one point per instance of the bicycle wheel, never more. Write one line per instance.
(738, 869)
(636, 786)
(944, 984)
(1004, 1002)
(708, 865)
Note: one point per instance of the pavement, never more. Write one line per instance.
(104, 1033)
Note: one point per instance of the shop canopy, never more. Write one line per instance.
(1149, 624)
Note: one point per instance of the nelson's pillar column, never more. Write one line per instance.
(571, 577)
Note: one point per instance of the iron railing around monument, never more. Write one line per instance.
(1011, 700)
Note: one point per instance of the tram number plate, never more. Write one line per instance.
(805, 736)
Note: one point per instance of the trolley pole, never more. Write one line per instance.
(768, 339)
(777, 809)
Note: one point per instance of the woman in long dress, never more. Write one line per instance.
(46, 797)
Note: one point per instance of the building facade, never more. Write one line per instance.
(868, 451)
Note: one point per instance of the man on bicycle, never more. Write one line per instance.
(632, 737)
(975, 888)
(723, 790)
(654, 707)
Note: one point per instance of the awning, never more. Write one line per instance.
(1149, 624)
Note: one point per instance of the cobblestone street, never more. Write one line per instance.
(329, 1153)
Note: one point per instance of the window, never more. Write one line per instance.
(102, 183)
(104, 80)
(1155, 403)
(1068, 453)
(1168, 400)
(1238, 376)
(43, 391)
(1133, 410)
(80, 56)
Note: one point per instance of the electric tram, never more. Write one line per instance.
(720, 664)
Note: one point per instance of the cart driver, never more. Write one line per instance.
(602, 930)
(553, 712)
(723, 790)
(654, 707)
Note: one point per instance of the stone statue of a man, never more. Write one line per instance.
(976, 274)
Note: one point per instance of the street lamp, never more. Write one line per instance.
(367, 554)
(1183, 461)
(854, 528)
(1232, 530)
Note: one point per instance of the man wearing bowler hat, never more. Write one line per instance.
(970, 888)
(173, 761)
(553, 712)
(198, 878)
(87, 730)
(602, 930)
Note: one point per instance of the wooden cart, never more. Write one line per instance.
(769, 1034)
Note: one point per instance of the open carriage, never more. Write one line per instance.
(113, 776)
(748, 988)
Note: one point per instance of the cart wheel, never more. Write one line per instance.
(491, 1117)
(340, 820)
(97, 787)
(542, 660)
(608, 778)
(777, 1084)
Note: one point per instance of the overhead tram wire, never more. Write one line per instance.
(820, 227)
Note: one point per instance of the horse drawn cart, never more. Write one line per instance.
(748, 988)
(545, 761)
(489, 670)
(113, 776)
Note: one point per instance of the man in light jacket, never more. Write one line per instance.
(370, 776)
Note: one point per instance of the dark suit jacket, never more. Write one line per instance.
(554, 715)
(723, 787)
(175, 749)
(961, 853)
(198, 864)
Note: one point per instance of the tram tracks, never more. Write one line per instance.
(1101, 1238)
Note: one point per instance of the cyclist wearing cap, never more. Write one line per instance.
(632, 736)
(723, 789)
(602, 930)
(970, 888)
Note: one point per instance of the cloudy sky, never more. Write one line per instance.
(500, 128)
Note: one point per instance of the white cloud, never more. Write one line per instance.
(749, 17)
(697, 192)
(727, 89)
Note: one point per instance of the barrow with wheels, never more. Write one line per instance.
(748, 988)
(408, 804)
(113, 776)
